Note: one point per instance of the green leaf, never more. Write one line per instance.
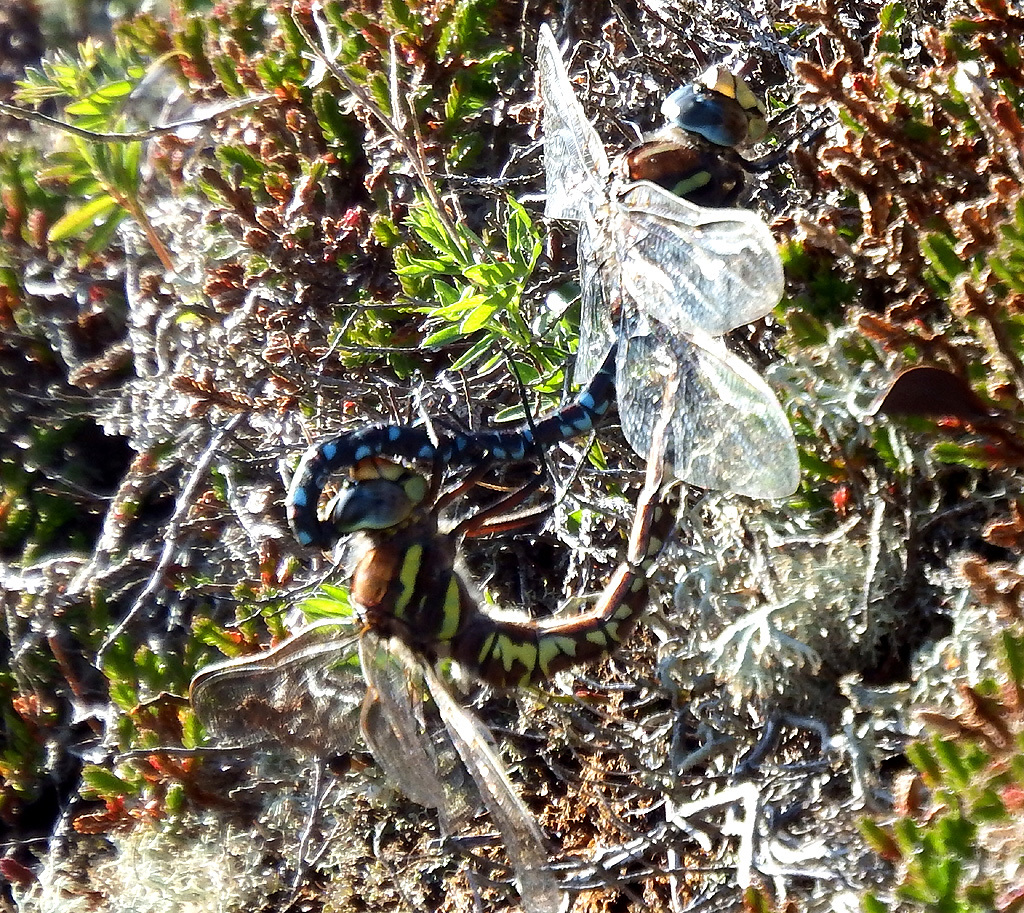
(922, 757)
(890, 18)
(1008, 273)
(806, 329)
(597, 457)
(522, 241)
(191, 731)
(947, 752)
(815, 467)
(880, 840)
(873, 905)
(98, 782)
(380, 91)
(83, 108)
(250, 166)
(113, 90)
(1013, 649)
(941, 254)
(989, 807)
(100, 239)
(442, 337)
(961, 455)
(225, 69)
(385, 231)
(62, 171)
(445, 292)
(467, 301)
(957, 835)
(214, 636)
(477, 318)
(452, 104)
(124, 694)
(433, 233)
(176, 799)
(477, 350)
(755, 901)
(907, 835)
(491, 275)
(82, 219)
(334, 602)
(338, 593)
(942, 878)
(421, 266)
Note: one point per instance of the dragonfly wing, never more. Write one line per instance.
(397, 733)
(728, 431)
(523, 839)
(641, 370)
(691, 268)
(575, 164)
(597, 332)
(305, 693)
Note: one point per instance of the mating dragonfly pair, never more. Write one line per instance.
(662, 278)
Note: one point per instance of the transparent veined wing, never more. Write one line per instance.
(575, 163)
(398, 734)
(727, 431)
(691, 268)
(645, 284)
(310, 693)
(306, 693)
(523, 840)
(597, 328)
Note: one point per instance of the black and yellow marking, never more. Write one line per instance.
(695, 155)
(407, 585)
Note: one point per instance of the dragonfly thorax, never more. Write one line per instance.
(405, 585)
(694, 156)
(687, 166)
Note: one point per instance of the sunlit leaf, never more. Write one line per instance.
(82, 219)
(98, 781)
(477, 318)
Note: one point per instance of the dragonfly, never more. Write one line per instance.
(416, 609)
(662, 279)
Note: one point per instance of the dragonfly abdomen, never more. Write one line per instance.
(510, 653)
(343, 451)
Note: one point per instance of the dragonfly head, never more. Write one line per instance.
(382, 495)
(720, 107)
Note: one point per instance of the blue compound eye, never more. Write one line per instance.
(719, 106)
(373, 504)
(697, 110)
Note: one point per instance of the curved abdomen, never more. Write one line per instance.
(408, 587)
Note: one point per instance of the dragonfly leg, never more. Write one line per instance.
(497, 519)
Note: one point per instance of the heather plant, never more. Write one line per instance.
(957, 840)
(924, 184)
(184, 308)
